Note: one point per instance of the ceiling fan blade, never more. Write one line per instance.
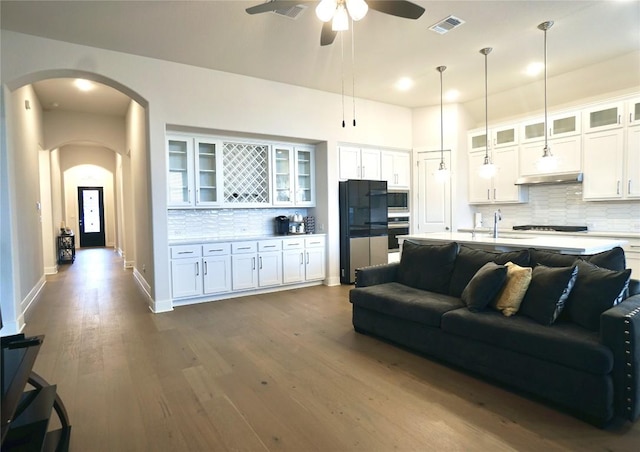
(272, 6)
(400, 8)
(328, 35)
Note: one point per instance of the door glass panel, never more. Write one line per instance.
(564, 125)
(636, 111)
(479, 141)
(283, 176)
(505, 136)
(603, 117)
(304, 176)
(91, 211)
(178, 187)
(207, 172)
(534, 130)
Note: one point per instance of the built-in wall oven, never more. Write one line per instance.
(398, 225)
(398, 201)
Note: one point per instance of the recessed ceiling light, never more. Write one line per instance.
(534, 69)
(404, 84)
(452, 95)
(83, 85)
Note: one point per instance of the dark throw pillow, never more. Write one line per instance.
(549, 289)
(596, 290)
(427, 267)
(470, 260)
(612, 259)
(484, 286)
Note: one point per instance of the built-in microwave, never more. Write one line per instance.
(398, 201)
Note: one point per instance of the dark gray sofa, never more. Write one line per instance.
(591, 370)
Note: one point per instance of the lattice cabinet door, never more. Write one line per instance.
(246, 173)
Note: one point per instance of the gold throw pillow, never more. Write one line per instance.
(510, 296)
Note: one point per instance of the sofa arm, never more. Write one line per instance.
(620, 331)
(377, 274)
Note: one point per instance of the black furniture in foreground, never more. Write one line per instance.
(26, 413)
(583, 356)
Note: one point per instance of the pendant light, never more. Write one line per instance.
(547, 162)
(442, 174)
(488, 169)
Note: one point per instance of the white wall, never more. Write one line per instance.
(196, 97)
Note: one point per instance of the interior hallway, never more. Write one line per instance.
(283, 371)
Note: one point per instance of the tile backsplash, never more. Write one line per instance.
(563, 205)
(221, 223)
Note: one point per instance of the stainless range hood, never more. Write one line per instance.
(560, 178)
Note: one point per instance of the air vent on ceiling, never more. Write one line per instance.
(292, 13)
(446, 24)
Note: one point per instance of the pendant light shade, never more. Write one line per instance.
(442, 174)
(487, 170)
(547, 162)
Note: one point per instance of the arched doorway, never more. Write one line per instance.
(37, 134)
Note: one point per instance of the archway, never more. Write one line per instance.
(28, 155)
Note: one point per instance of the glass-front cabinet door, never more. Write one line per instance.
(633, 110)
(604, 117)
(305, 176)
(283, 174)
(207, 171)
(180, 178)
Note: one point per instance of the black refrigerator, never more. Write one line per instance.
(363, 226)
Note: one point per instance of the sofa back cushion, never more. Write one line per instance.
(470, 260)
(427, 267)
(612, 259)
(596, 290)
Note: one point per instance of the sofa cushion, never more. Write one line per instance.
(484, 286)
(427, 267)
(596, 290)
(549, 289)
(406, 302)
(469, 260)
(510, 296)
(566, 344)
(612, 259)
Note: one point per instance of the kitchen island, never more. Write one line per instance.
(515, 241)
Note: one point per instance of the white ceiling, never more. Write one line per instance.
(221, 35)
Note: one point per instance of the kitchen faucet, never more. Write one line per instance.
(497, 216)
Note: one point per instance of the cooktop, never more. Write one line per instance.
(548, 227)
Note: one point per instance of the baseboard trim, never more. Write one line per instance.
(30, 300)
(51, 270)
(332, 281)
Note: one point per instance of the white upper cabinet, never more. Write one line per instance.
(603, 117)
(180, 165)
(208, 169)
(564, 125)
(293, 175)
(504, 136)
(501, 187)
(603, 165)
(633, 111)
(395, 168)
(359, 163)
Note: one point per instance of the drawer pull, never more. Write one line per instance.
(244, 248)
(185, 252)
(269, 246)
(215, 250)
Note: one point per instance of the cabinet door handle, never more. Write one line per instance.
(494, 193)
(363, 173)
(260, 262)
(253, 263)
(197, 268)
(488, 194)
(629, 187)
(619, 119)
(198, 196)
(618, 188)
(301, 259)
(205, 268)
(307, 258)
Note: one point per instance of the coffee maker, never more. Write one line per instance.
(282, 225)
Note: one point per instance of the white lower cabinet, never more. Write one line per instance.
(200, 270)
(220, 269)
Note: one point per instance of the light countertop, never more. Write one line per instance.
(518, 240)
(239, 238)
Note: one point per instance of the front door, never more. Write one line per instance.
(91, 214)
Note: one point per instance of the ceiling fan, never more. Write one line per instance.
(336, 13)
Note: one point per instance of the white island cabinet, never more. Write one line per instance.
(226, 269)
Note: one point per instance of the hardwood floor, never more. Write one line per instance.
(277, 372)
